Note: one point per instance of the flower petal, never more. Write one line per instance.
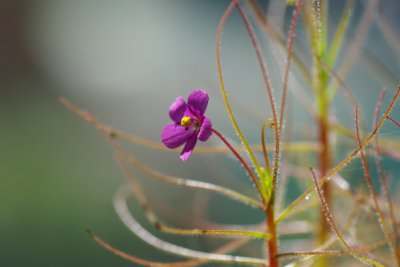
(177, 109)
(174, 135)
(188, 148)
(205, 130)
(198, 101)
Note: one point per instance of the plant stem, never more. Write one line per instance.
(245, 165)
(272, 230)
(272, 242)
(324, 164)
(321, 80)
(324, 156)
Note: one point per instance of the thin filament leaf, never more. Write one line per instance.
(339, 37)
(248, 169)
(326, 211)
(394, 121)
(390, 32)
(137, 191)
(130, 222)
(188, 232)
(135, 259)
(328, 243)
(378, 210)
(222, 85)
(185, 182)
(292, 33)
(298, 147)
(335, 229)
(166, 178)
(264, 146)
(344, 162)
(269, 30)
(268, 86)
(353, 50)
(381, 172)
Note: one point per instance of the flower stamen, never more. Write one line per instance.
(185, 121)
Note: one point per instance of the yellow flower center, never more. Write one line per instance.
(185, 121)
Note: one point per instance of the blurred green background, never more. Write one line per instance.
(124, 61)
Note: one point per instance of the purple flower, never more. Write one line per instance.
(189, 123)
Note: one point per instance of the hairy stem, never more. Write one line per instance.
(273, 235)
(320, 86)
(245, 165)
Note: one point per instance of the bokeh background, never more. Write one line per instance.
(124, 61)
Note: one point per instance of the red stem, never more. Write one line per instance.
(272, 242)
(393, 120)
(269, 211)
(324, 163)
(244, 163)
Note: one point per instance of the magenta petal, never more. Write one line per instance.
(198, 101)
(177, 109)
(174, 135)
(188, 148)
(205, 130)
